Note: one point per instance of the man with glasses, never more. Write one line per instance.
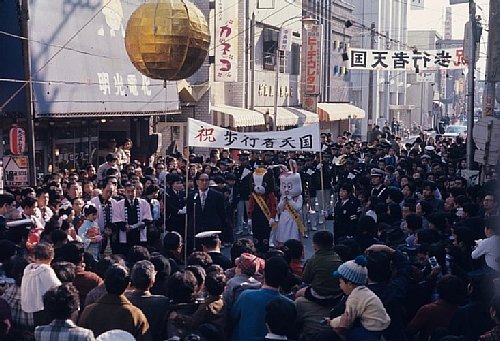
(490, 207)
(205, 209)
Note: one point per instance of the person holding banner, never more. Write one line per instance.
(205, 210)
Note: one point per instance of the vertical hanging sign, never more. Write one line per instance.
(312, 67)
(226, 40)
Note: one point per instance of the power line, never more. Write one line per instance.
(53, 56)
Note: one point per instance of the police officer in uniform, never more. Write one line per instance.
(346, 213)
(378, 188)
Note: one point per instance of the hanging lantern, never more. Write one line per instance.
(167, 39)
(17, 140)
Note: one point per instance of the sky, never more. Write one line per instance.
(432, 17)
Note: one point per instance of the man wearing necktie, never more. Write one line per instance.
(205, 209)
(176, 202)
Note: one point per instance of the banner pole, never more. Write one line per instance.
(322, 181)
(186, 197)
(186, 219)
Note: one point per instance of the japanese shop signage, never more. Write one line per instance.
(305, 138)
(410, 60)
(226, 40)
(82, 66)
(313, 60)
(285, 39)
(15, 170)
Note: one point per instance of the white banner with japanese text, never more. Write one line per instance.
(305, 138)
(226, 40)
(409, 60)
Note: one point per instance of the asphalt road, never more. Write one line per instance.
(308, 248)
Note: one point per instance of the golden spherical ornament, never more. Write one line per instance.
(167, 39)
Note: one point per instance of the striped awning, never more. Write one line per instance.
(290, 116)
(234, 117)
(338, 111)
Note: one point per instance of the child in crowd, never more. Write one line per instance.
(361, 304)
(38, 278)
(295, 252)
(89, 231)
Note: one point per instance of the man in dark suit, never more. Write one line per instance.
(205, 209)
(6, 201)
(176, 202)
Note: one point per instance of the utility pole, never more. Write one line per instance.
(492, 69)
(370, 87)
(470, 84)
(29, 96)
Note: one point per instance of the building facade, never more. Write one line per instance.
(390, 18)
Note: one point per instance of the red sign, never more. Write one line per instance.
(313, 60)
(17, 140)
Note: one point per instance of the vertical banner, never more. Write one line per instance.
(285, 39)
(226, 40)
(312, 67)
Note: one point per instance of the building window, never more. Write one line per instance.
(270, 42)
(295, 59)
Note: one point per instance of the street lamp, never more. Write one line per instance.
(307, 22)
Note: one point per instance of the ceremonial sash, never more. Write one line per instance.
(263, 206)
(295, 217)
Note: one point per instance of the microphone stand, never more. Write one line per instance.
(194, 223)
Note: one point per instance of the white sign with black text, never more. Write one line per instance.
(305, 138)
(409, 60)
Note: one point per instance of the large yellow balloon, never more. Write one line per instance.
(167, 39)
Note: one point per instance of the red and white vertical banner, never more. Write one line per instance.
(226, 40)
(17, 140)
(312, 67)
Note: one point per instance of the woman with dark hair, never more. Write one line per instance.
(182, 289)
(437, 315)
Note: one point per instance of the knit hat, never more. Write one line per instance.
(354, 271)
(248, 263)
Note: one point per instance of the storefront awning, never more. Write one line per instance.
(234, 117)
(338, 111)
(290, 116)
(401, 107)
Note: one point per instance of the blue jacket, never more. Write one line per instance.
(248, 314)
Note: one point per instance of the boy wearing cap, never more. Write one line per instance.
(361, 304)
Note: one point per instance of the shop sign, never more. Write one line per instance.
(313, 61)
(226, 40)
(15, 171)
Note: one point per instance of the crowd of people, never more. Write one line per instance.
(193, 248)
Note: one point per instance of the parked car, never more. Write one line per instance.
(455, 130)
